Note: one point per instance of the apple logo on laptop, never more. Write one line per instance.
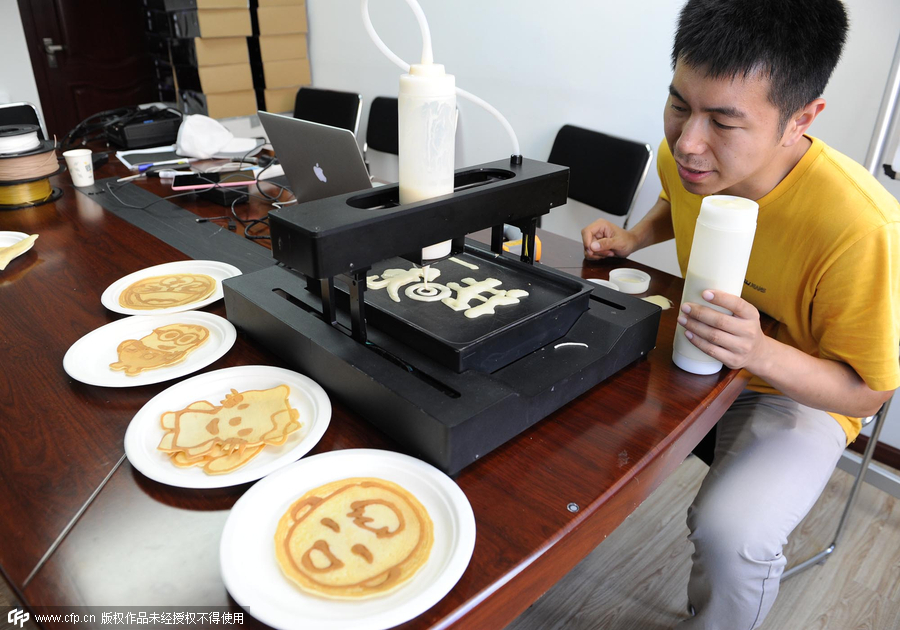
(319, 173)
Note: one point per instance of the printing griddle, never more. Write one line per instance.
(488, 342)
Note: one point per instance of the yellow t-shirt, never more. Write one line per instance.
(825, 263)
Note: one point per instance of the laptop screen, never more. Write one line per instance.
(328, 107)
(319, 160)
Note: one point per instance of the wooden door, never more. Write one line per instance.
(103, 63)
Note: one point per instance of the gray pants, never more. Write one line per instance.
(773, 459)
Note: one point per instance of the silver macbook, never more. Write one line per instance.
(319, 160)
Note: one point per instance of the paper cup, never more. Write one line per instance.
(80, 166)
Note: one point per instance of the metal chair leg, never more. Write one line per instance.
(822, 556)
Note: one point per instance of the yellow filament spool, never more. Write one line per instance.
(25, 194)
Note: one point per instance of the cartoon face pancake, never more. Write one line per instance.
(225, 437)
(165, 346)
(167, 291)
(353, 539)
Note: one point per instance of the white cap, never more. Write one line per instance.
(428, 81)
(630, 280)
(202, 137)
(694, 366)
(728, 213)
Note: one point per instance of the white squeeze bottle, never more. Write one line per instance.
(720, 253)
(427, 125)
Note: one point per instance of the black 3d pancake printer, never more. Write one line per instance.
(447, 387)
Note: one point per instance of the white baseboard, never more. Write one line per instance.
(877, 476)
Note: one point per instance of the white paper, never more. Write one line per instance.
(124, 156)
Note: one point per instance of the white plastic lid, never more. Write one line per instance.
(428, 80)
(604, 283)
(694, 366)
(630, 280)
(728, 213)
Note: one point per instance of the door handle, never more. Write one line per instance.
(51, 49)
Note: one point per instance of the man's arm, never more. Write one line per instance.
(603, 239)
(738, 342)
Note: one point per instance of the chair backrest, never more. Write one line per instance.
(329, 107)
(22, 114)
(605, 172)
(382, 131)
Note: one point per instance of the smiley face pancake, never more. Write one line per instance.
(165, 346)
(178, 289)
(353, 539)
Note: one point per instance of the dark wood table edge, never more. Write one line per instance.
(585, 533)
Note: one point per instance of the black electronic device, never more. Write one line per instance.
(152, 127)
(227, 197)
(448, 387)
(206, 181)
(99, 159)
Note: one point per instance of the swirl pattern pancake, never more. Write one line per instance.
(354, 539)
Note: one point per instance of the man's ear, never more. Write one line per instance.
(800, 122)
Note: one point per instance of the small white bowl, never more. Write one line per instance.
(630, 280)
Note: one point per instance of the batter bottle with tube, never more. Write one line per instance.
(427, 123)
(720, 253)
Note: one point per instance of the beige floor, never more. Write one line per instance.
(636, 579)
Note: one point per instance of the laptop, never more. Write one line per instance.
(319, 160)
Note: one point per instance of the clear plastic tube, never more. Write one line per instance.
(428, 58)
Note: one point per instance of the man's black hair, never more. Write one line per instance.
(795, 43)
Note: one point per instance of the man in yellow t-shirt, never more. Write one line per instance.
(747, 85)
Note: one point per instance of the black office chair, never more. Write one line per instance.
(22, 114)
(329, 107)
(605, 172)
(382, 131)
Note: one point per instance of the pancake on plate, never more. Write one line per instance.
(165, 346)
(157, 292)
(354, 539)
(225, 437)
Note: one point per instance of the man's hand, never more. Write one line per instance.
(735, 340)
(603, 239)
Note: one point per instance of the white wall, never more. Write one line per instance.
(598, 64)
(16, 75)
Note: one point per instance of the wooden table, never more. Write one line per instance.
(80, 526)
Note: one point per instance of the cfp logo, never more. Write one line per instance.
(17, 617)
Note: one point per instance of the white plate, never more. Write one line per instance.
(88, 359)
(217, 270)
(11, 238)
(144, 432)
(256, 582)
